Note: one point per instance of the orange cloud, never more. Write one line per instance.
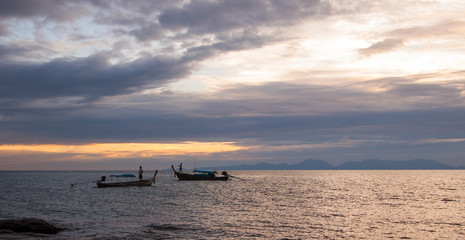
(122, 150)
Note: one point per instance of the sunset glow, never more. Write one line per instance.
(124, 150)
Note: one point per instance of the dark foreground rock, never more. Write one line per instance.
(34, 225)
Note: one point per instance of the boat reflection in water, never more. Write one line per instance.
(115, 181)
(201, 175)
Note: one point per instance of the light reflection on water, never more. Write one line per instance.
(266, 205)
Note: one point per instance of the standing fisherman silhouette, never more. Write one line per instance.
(140, 173)
(180, 167)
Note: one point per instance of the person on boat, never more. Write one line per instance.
(141, 172)
(180, 167)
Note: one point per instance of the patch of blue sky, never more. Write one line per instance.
(20, 30)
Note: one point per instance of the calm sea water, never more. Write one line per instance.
(265, 205)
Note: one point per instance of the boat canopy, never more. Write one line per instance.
(203, 171)
(123, 175)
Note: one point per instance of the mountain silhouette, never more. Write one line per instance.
(369, 164)
(375, 164)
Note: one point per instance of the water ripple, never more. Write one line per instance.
(266, 205)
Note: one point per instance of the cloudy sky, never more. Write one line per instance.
(117, 84)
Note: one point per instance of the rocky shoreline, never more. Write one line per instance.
(25, 225)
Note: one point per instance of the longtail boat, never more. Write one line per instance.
(146, 182)
(201, 175)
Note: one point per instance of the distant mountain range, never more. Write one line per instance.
(369, 164)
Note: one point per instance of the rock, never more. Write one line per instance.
(34, 225)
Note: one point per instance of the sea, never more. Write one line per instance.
(392, 204)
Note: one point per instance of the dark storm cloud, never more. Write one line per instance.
(53, 10)
(91, 77)
(137, 19)
(9, 53)
(409, 94)
(280, 98)
(3, 30)
(394, 126)
(200, 17)
(94, 77)
(241, 40)
(148, 32)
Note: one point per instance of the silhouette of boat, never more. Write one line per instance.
(118, 183)
(201, 175)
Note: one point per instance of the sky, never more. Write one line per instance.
(117, 84)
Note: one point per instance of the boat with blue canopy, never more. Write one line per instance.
(123, 176)
(125, 180)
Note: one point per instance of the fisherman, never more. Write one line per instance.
(140, 173)
(180, 167)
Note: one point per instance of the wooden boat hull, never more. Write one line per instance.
(140, 183)
(192, 177)
(147, 182)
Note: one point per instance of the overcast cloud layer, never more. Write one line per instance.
(286, 80)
